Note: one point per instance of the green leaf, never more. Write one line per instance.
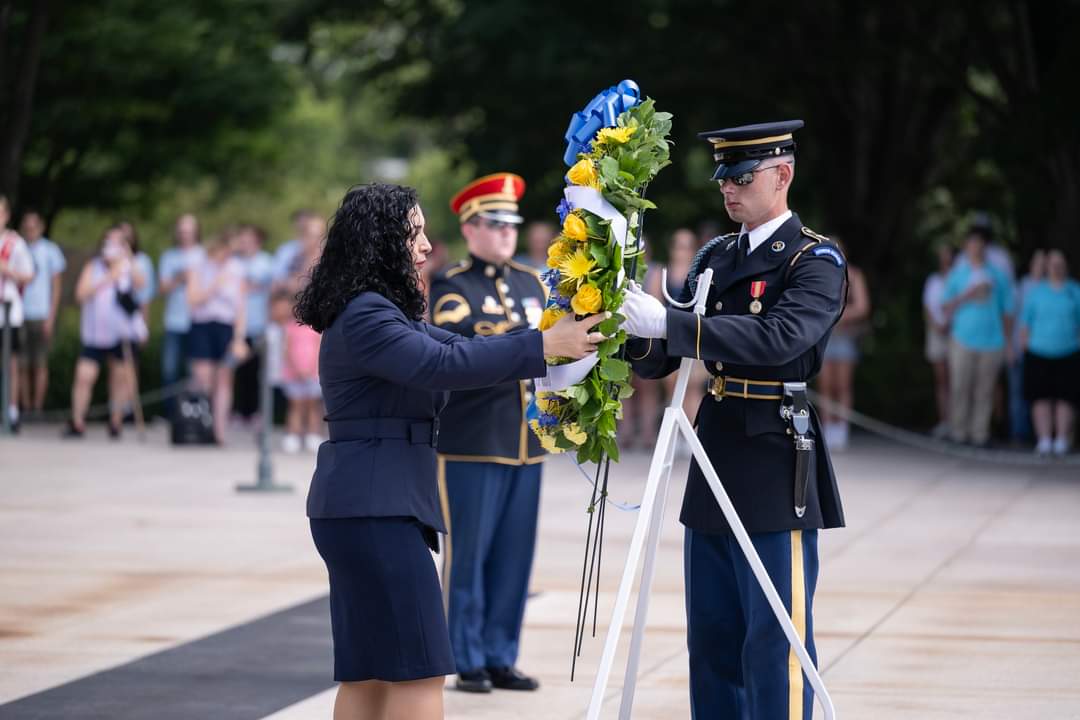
(614, 369)
(600, 254)
(609, 169)
(625, 391)
(609, 327)
(611, 447)
(605, 424)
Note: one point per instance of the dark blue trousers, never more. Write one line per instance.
(741, 665)
(488, 558)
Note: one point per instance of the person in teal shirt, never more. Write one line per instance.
(1050, 335)
(979, 302)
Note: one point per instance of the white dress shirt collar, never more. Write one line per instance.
(764, 231)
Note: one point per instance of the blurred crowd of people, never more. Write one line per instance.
(980, 320)
(225, 298)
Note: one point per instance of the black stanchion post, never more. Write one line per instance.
(264, 469)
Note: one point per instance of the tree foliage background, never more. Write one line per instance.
(918, 114)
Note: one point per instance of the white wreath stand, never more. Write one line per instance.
(650, 521)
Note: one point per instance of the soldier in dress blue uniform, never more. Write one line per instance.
(489, 461)
(777, 290)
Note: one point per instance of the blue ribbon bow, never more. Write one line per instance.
(601, 112)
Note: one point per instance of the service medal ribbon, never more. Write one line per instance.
(757, 289)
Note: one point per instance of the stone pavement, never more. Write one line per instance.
(135, 582)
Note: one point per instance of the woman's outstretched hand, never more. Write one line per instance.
(573, 338)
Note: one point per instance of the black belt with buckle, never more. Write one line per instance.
(417, 432)
(722, 387)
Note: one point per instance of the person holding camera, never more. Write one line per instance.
(110, 320)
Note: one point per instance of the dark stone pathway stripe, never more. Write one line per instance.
(243, 673)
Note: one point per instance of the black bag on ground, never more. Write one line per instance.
(192, 420)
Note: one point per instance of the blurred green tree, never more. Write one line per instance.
(102, 98)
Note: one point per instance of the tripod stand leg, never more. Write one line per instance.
(645, 587)
(668, 428)
(132, 373)
(758, 568)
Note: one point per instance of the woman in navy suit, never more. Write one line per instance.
(373, 502)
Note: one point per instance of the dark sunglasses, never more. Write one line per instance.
(496, 224)
(746, 178)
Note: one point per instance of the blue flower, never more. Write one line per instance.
(548, 420)
(563, 209)
(561, 301)
(551, 278)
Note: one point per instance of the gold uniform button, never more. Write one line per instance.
(719, 305)
(719, 367)
(490, 271)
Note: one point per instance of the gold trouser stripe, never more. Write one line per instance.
(698, 352)
(647, 351)
(721, 144)
(798, 619)
(444, 500)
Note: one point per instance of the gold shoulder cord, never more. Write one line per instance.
(648, 350)
(454, 315)
(698, 349)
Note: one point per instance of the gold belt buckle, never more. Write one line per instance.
(717, 388)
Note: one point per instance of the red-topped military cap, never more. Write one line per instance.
(494, 197)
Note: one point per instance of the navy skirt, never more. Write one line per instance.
(386, 608)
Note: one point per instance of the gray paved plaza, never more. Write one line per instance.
(135, 582)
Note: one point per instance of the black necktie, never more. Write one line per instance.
(740, 250)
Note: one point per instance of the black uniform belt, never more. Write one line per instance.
(417, 432)
(722, 387)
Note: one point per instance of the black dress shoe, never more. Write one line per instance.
(71, 431)
(510, 678)
(476, 681)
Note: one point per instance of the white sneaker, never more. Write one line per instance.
(1044, 446)
(312, 441)
(1061, 446)
(291, 444)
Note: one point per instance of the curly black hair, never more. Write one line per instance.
(368, 248)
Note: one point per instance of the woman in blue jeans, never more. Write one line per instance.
(186, 253)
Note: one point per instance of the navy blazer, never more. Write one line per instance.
(384, 379)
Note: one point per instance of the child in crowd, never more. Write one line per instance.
(299, 378)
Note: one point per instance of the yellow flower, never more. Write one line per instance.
(614, 136)
(575, 228)
(584, 173)
(550, 317)
(546, 402)
(577, 267)
(587, 300)
(548, 443)
(557, 251)
(575, 434)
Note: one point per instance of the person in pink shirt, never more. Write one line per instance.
(299, 378)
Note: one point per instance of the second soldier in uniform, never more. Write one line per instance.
(777, 290)
(489, 463)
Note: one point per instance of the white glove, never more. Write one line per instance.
(646, 317)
